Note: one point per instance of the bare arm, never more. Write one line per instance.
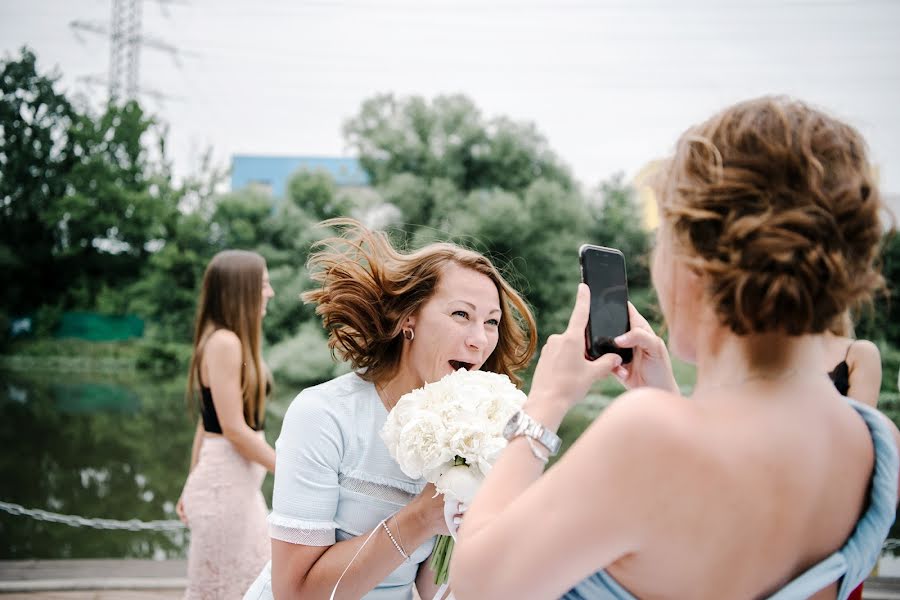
(300, 571)
(222, 358)
(532, 536)
(528, 536)
(865, 372)
(425, 584)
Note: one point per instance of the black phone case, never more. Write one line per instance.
(595, 350)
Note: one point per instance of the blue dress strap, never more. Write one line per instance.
(853, 561)
(859, 554)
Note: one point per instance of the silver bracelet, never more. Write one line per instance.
(396, 545)
(534, 450)
(397, 527)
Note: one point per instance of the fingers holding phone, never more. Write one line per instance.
(564, 372)
(651, 365)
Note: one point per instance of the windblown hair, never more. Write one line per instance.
(231, 298)
(774, 203)
(368, 289)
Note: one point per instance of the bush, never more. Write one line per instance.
(163, 358)
(304, 359)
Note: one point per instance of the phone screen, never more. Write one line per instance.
(603, 270)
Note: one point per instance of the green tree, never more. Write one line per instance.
(617, 223)
(117, 203)
(83, 204)
(36, 158)
(317, 195)
(450, 150)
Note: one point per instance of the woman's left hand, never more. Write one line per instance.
(650, 365)
(564, 373)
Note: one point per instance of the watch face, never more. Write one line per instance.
(512, 425)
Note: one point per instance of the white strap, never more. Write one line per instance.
(347, 568)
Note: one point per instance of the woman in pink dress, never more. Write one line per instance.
(222, 504)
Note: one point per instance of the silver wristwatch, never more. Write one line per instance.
(521, 424)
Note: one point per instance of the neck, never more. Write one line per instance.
(392, 388)
(726, 359)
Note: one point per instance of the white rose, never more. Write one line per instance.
(461, 482)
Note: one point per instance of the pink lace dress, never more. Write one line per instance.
(226, 515)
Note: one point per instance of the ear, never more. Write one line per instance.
(410, 322)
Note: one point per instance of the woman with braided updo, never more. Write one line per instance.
(766, 481)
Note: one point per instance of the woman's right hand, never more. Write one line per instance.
(179, 509)
(651, 365)
(564, 374)
(428, 507)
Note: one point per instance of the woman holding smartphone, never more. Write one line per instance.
(766, 482)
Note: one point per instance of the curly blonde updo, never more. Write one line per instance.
(774, 203)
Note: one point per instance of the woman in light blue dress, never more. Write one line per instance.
(343, 511)
(766, 482)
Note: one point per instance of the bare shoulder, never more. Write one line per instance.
(223, 345)
(866, 352)
(649, 422)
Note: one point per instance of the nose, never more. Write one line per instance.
(477, 338)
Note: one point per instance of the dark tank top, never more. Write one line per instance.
(840, 375)
(211, 419)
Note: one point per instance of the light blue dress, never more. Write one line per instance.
(335, 479)
(853, 561)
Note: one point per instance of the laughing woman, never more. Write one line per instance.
(344, 514)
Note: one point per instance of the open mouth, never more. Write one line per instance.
(458, 364)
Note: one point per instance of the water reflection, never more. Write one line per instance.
(102, 447)
(118, 449)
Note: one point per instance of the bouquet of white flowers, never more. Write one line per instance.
(450, 432)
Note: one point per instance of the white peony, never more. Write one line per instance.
(451, 432)
(461, 482)
(459, 417)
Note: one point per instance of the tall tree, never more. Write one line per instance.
(36, 159)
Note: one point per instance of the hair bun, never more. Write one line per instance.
(774, 203)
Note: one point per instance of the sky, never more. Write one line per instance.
(610, 83)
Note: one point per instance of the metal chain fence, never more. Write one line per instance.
(94, 523)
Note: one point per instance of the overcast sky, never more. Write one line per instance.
(611, 83)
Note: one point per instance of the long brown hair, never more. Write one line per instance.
(368, 289)
(231, 298)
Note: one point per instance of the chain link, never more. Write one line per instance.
(78, 521)
(138, 525)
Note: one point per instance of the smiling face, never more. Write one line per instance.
(458, 327)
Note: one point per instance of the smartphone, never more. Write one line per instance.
(603, 270)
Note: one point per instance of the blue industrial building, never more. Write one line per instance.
(273, 172)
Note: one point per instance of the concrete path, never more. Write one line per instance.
(146, 579)
(166, 580)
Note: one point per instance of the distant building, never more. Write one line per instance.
(271, 173)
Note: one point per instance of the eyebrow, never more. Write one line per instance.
(473, 307)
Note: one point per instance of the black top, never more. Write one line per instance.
(208, 412)
(840, 375)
